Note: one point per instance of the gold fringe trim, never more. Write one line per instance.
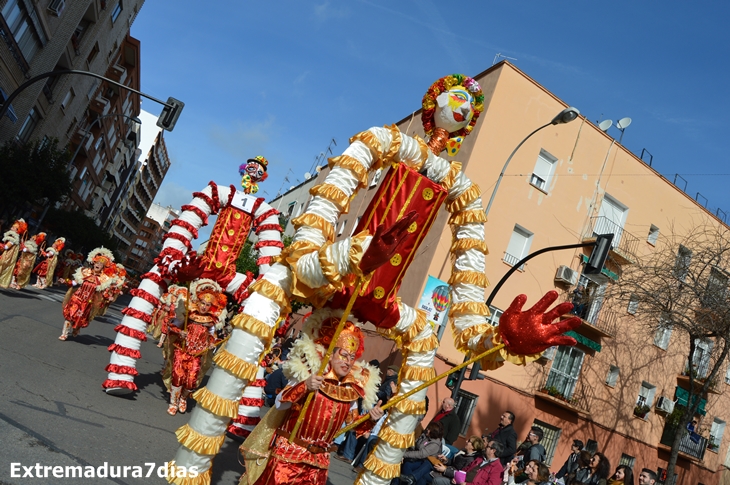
(417, 373)
(474, 216)
(357, 251)
(370, 141)
(317, 222)
(329, 268)
(201, 444)
(411, 407)
(334, 194)
(201, 479)
(464, 199)
(350, 163)
(272, 292)
(461, 341)
(216, 404)
(423, 345)
(235, 365)
(395, 439)
(411, 332)
(470, 277)
(448, 182)
(382, 469)
(469, 243)
(465, 307)
(252, 325)
(392, 154)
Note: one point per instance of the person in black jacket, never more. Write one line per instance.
(571, 464)
(389, 385)
(450, 421)
(506, 435)
(275, 382)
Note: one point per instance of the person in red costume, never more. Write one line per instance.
(85, 291)
(46, 268)
(206, 313)
(26, 260)
(306, 458)
(12, 240)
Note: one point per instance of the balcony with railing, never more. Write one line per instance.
(512, 260)
(691, 446)
(624, 245)
(593, 313)
(574, 396)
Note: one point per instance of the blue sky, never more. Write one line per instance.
(284, 78)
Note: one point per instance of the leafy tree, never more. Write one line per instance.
(31, 172)
(682, 286)
(80, 230)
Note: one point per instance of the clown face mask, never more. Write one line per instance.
(454, 109)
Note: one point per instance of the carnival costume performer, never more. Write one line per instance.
(315, 268)
(85, 293)
(305, 458)
(65, 265)
(110, 295)
(11, 248)
(46, 268)
(206, 314)
(26, 261)
(175, 301)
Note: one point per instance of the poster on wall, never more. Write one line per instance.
(435, 301)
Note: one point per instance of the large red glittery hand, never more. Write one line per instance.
(533, 331)
(190, 268)
(385, 243)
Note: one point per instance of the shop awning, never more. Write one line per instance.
(582, 339)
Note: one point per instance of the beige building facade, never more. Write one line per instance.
(565, 184)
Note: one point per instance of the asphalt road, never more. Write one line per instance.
(54, 412)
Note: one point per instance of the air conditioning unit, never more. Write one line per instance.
(57, 7)
(664, 405)
(566, 275)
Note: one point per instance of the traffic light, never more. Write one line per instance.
(453, 379)
(170, 113)
(599, 254)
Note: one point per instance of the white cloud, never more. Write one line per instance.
(244, 139)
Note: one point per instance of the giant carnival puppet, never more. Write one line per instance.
(362, 274)
(11, 243)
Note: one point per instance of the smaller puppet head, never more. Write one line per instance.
(252, 172)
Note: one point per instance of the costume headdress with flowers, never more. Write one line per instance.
(102, 255)
(58, 244)
(210, 292)
(250, 175)
(21, 227)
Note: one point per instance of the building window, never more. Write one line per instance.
(716, 432)
(28, 126)
(701, 359)
(495, 313)
(92, 54)
(653, 235)
(543, 172)
(117, 10)
(551, 436)
(645, 400)
(376, 177)
(612, 376)
(466, 402)
(633, 305)
(716, 289)
(682, 262)
(591, 446)
(550, 352)
(663, 334)
(518, 247)
(565, 370)
(22, 28)
(627, 460)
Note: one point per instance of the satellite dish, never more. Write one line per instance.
(307, 175)
(623, 123)
(318, 169)
(605, 125)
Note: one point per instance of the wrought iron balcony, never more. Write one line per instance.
(624, 245)
(691, 445)
(592, 310)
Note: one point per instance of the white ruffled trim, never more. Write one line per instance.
(11, 237)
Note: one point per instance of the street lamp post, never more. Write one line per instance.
(565, 116)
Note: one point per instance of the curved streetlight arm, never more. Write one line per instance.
(45, 75)
(504, 169)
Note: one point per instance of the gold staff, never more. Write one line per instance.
(399, 398)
